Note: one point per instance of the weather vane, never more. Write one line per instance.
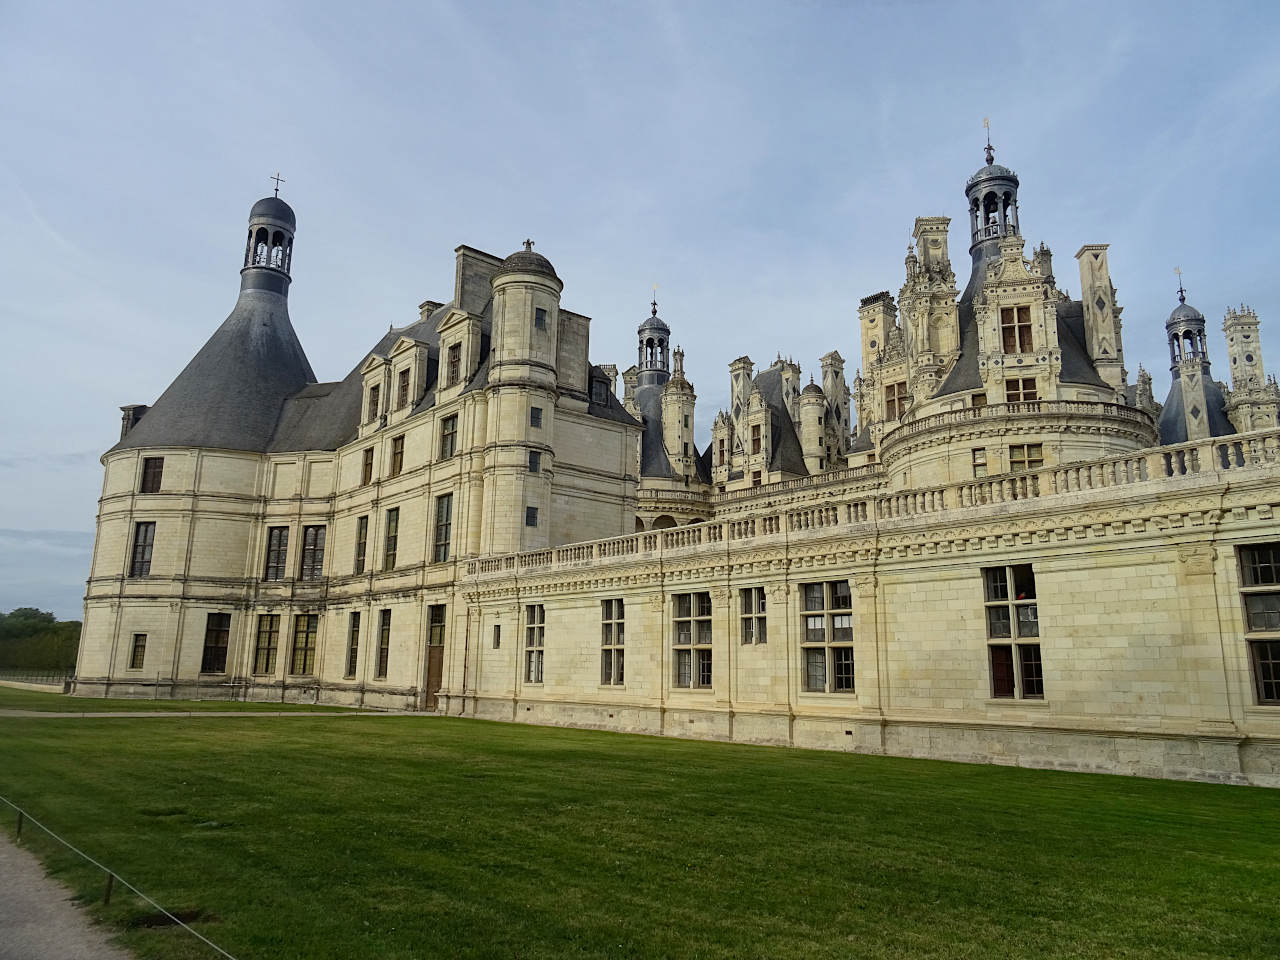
(991, 157)
(654, 304)
(1182, 294)
(279, 180)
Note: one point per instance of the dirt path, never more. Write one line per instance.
(38, 920)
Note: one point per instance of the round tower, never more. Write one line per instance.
(655, 339)
(268, 250)
(519, 459)
(811, 409)
(992, 193)
(678, 401)
(1195, 407)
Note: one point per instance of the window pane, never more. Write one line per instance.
(1261, 565)
(606, 666)
(1024, 582)
(815, 630)
(1001, 670)
(684, 668)
(842, 628)
(704, 604)
(841, 599)
(1263, 610)
(762, 635)
(704, 631)
(747, 624)
(704, 668)
(815, 669)
(1032, 679)
(998, 622)
(683, 605)
(842, 669)
(813, 598)
(1266, 669)
(746, 601)
(684, 632)
(997, 583)
(1028, 620)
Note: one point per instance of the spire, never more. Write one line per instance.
(991, 154)
(1182, 294)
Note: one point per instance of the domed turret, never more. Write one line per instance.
(1195, 407)
(268, 251)
(526, 261)
(992, 193)
(655, 339)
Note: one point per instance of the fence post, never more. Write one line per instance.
(106, 896)
(20, 818)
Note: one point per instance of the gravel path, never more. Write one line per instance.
(38, 920)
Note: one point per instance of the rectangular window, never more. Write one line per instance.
(435, 624)
(312, 553)
(612, 638)
(535, 461)
(497, 636)
(751, 603)
(384, 644)
(895, 400)
(1024, 457)
(144, 538)
(265, 644)
(152, 471)
(444, 527)
(535, 619)
(755, 478)
(599, 392)
(217, 631)
(978, 401)
(375, 397)
(720, 452)
(1260, 595)
(138, 653)
(305, 627)
(827, 638)
(1015, 329)
(755, 438)
(362, 542)
(397, 455)
(1020, 390)
(540, 318)
(1012, 619)
(448, 436)
(402, 389)
(530, 516)
(979, 462)
(455, 365)
(535, 417)
(277, 553)
(692, 639)
(686, 448)
(392, 540)
(353, 643)
(366, 468)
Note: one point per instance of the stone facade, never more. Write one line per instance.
(999, 561)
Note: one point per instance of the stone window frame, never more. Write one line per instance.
(311, 559)
(692, 640)
(454, 365)
(535, 418)
(403, 377)
(353, 645)
(391, 539)
(302, 651)
(152, 475)
(443, 530)
(530, 516)
(1012, 620)
(540, 318)
(144, 539)
(362, 544)
(366, 468)
(138, 651)
(751, 615)
(535, 461)
(979, 462)
(217, 639)
(437, 618)
(1026, 457)
(397, 456)
(613, 626)
(374, 403)
(1259, 565)
(383, 663)
(896, 400)
(826, 637)
(266, 642)
(1015, 330)
(448, 436)
(276, 564)
(535, 640)
(1016, 390)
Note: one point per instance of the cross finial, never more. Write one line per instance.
(654, 302)
(991, 156)
(528, 244)
(279, 180)
(1182, 294)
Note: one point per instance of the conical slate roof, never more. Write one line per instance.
(230, 395)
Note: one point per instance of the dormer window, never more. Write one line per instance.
(455, 365)
(1015, 329)
(895, 400)
(540, 318)
(375, 396)
(402, 389)
(599, 392)
(755, 438)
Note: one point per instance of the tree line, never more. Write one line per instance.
(34, 640)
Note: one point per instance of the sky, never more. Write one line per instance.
(762, 164)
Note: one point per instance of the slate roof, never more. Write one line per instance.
(786, 453)
(233, 391)
(653, 452)
(1172, 424)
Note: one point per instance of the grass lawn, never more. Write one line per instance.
(426, 837)
(13, 698)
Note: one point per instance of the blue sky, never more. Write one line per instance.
(761, 163)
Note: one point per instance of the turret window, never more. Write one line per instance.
(721, 452)
(540, 318)
(402, 389)
(144, 538)
(1015, 329)
(455, 365)
(535, 461)
(895, 400)
(535, 417)
(530, 516)
(1020, 390)
(152, 472)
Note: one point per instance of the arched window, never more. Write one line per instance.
(248, 247)
(260, 252)
(277, 250)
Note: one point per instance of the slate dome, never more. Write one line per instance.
(526, 261)
(275, 209)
